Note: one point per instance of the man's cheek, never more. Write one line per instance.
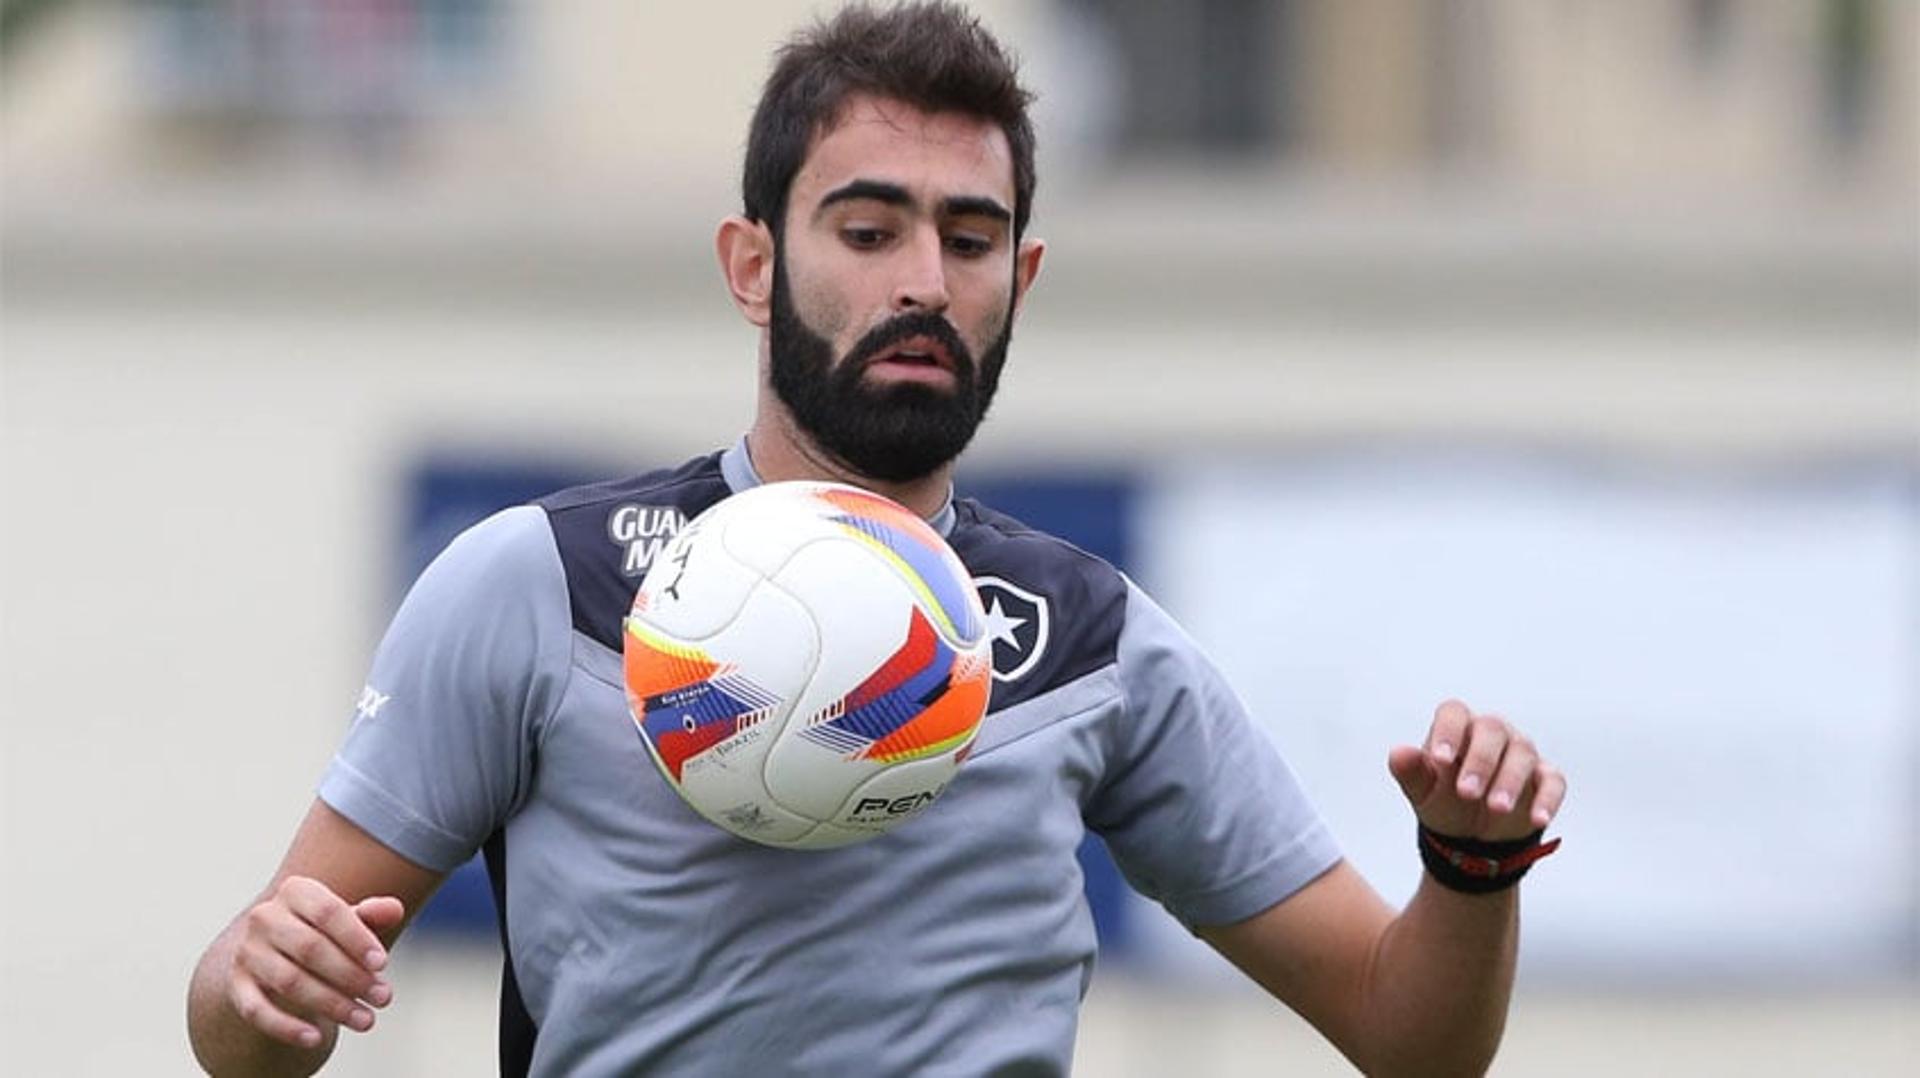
(988, 336)
(825, 314)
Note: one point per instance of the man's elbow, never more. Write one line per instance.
(1459, 1054)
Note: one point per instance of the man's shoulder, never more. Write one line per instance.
(986, 537)
(689, 481)
(1055, 610)
(609, 534)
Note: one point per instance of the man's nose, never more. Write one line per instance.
(923, 274)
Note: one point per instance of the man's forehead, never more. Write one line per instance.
(884, 139)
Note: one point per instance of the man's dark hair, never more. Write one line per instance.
(931, 55)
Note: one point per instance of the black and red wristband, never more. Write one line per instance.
(1477, 867)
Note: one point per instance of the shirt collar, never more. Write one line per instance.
(736, 467)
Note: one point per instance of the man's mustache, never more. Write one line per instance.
(900, 328)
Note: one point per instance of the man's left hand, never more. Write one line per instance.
(1477, 777)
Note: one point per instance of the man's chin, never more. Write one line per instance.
(909, 404)
(901, 444)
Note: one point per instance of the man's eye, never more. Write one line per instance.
(969, 246)
(863, 238)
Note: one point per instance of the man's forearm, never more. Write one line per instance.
(1438, 986)
(222, 1040)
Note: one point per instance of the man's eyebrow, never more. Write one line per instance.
(891, 194)
(975, 206)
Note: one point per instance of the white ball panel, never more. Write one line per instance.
(775, 642)
(694, 587)
(747, 811)
(763, 527)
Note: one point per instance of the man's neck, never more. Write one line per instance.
(780, 452)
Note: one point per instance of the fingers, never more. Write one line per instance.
(1551, 793)
(1413, 771)
(1491, 779)
(1487, 737)
(1513, 774)
(306, 956)
(380, 913)
(300, 992)
(1449, 731)
(311, 937)
(296, 944)
(339, 922)
(250, 1002)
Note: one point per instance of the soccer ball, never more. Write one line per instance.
(807, 664)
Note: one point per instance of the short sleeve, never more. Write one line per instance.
(1199, 810)
(441, 747)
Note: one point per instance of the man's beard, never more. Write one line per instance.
(894, 433)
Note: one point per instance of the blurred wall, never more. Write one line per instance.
(250, 280)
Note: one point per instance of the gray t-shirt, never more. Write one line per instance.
(642, 939)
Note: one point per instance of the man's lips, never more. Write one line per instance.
(916, 351)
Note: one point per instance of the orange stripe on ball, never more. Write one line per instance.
(944, 723)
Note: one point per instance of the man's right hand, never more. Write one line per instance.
(274, 987)
(303, 955)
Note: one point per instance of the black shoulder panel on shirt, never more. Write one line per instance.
(1056, 610)
(609, 533)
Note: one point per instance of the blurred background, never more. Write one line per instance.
(1560, 355)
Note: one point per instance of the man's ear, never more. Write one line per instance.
(746, 260)
(1026, 268)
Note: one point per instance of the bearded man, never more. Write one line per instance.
(883, 253)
